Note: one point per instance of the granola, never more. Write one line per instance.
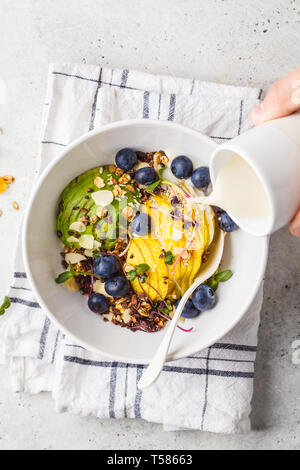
(131, 241)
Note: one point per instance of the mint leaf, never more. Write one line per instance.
(223, 276)
(109, 244)
(212, 283)
(63, 277)
(72, 270)
(154, 185)
(6, 303)
(169, 258)
(142, 268)
(160, 173)
(132, 275)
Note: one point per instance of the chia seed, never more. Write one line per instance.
(90, 190)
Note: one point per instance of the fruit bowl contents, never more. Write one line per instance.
(133, 241)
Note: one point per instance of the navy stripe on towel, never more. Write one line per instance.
(138, 397)
(124, 78)
(172, 107)
(93, 114)
(123, 82)
(183, 370)
(112, 392)
(53, 143)
(241, 117)
(235, 347)
(19, 275)
(43, 338)
(28, 303)
(20, 288)
(146, 105)
(206, 389)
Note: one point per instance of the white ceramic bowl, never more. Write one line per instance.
(244, 254)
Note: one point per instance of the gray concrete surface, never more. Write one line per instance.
(231, 41)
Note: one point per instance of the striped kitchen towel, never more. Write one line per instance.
(210, 391)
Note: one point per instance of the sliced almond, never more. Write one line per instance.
(72, 284)
(103, 197)
(96, 244)
(86, 241)
(128, 267)
(15, 206)
(99, 288)
(88, 253)
(108, 316)
(78, 227)
(140, 165)
(72, 240)
(74, 258)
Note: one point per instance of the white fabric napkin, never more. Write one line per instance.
(210, 391)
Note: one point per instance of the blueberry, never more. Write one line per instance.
(201, 177)
(146, 175)
(182, 167)
(204, 297)
(225, 222)
(98, 303)
(126, 159)
(106, 266)
(189, 310)
(117, 286)
(141, 225)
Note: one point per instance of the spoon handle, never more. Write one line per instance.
(156, 365)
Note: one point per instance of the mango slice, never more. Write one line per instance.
(186, 244)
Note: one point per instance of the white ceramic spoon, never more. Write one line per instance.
(206, 271)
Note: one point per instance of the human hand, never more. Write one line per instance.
(282, 99)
